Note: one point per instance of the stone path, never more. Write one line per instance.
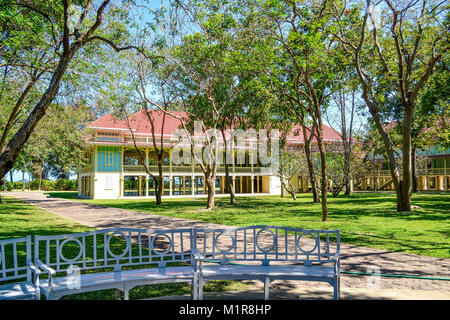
(353, 258)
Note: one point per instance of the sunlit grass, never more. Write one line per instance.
(366, 219)
(18, 219)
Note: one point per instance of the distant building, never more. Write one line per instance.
(432, 171)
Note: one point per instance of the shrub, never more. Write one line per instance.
(46, 185)
(10, 186)
(66, 185)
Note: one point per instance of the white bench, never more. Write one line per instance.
(268, 253)
(122, 258)
(118, 258)
(19, 276)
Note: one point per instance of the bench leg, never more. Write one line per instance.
(37, 294)
(336, 287)
(200, 287)
(126, 295)
(51, 296)
(266, 288)
(194, 288)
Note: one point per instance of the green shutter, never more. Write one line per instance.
(101, 158)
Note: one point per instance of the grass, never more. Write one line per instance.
(18, 219)
(365, 219)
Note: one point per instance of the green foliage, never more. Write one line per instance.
(66, 185)
(46, 185)
(19, 219)
(365, 219)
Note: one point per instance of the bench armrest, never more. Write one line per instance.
(198, 258)
(337, 262)
(51, 272)
(33, 268)
(35, 271)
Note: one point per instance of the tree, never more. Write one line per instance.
(344, 99)
(292, 163)
(146, 72)
(212, 75)
(304, 37)
(407, 39)
(65, 40)
(57, 144)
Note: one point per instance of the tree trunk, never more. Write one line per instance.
(158, 195)
(15, 145)
(312, 176)
(404, 203)
(347, 175)
(323, 168)
(23, 180)
(374, 174)
(210, 186)
(413, 169)
(228, 180)
(40, 179)
(403, 196)
(3, 182)
(158, 189)
(229, 183)
(159, 182)
(292, 192)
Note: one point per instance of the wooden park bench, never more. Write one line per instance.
(268, 253)
(19, 278)
(118, 258)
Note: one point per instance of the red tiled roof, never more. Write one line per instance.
(329, 134)
(108, 121)
(140, 124)
(140, 121)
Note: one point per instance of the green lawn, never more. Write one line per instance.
(366, 219)
(18, 219)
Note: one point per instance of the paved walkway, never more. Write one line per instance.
(353, 258)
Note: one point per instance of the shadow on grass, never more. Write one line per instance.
(366, 219)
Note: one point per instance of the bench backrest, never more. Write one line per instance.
(14, 255)
(116, 247)
(267, 244)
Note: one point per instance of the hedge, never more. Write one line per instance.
(46, 185)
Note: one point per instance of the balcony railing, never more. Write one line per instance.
(86, 169)
(131, 168)
(188, 169)
(419, 172)
(128, 140)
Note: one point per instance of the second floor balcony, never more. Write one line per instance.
(192, 169)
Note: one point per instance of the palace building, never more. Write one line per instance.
(116, 169)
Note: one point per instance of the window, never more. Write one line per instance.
(108, 158)
(108, 136)
(108, 182)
